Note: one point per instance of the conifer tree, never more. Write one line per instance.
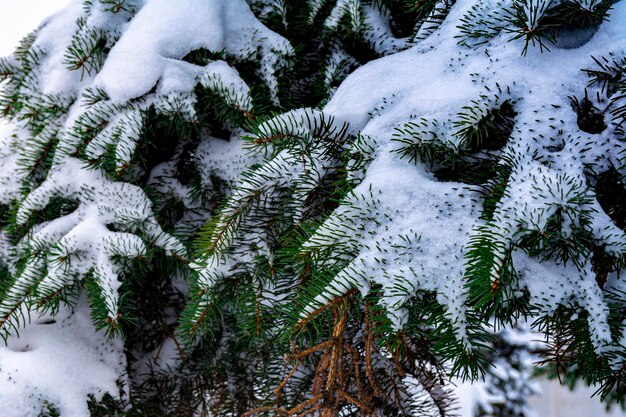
(222, 207)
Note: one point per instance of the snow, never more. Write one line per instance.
(9, 182)
(41, 367)
(53, 36)
(81, 241)
(109, 216)
(401, 228)
(471, 398)
(428, 258)
(434, 80)
(147, 54)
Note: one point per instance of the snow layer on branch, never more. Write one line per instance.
(163, 32)
(547, 152)
(56, 34)
(219, 163)
(223, 159)
(80, 242)
(410, 231)
(86, 82)
(9, 177)
(59, 361)
(95, 69)
(90, 76)
(379, 34)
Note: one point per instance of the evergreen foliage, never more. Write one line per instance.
(253, 231)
